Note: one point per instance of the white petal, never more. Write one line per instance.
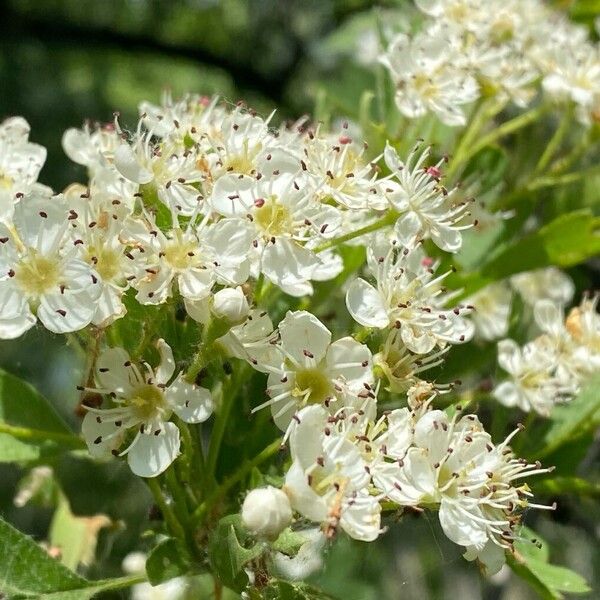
(347, 350)
(286, 262)
(128, 165)
(460, 527)
(165, 370)
(232, 195)
(407, 228)
(152, 454)
(193, 404)
(112, 374)
(362, 519)
(306, 437)
(302, 497)
(365, 304)
(302, 332)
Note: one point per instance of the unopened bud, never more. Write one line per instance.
(231, 304)
(266, 512)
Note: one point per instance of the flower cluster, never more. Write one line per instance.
(551, 368)
(345, 465)
(470, 49)
(207, 208)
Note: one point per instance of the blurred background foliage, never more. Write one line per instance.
(65, 61)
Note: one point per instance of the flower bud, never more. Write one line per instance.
(231, 304)
(266, 512)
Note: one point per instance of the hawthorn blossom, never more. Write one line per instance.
(20, 164)
(492, 310)
(327, 481)
(305, 367)
(425, 206)
(42, 276)
(544, 284)
(196, 258)
(454, 465)
(287, 223)
(428, 78)
(144, 399)
(409, 297)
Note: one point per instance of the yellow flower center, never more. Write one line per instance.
(36, 274)
(313, 384)
(149, 403)
(6, 182)
(181, 254)
(273, 218)
(106, 262)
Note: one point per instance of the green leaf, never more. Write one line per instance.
(566, 241)
(289, 542)
(76, 537)
(26, 568)
(27, 571)
(168, 560)
(530, 562)
(228, 556)
(572, 419)
(30, 428)
(286, 590)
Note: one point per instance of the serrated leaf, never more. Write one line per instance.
(168, 560)
(30, 428)
(26, 569)
(289, 542)
(228, 556)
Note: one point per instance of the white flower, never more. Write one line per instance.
(195, 258)
(454, 464)
(425, 206)
(92, 148)
(408, 296)
(492, 310)
(549, 283)
(20, 164)
(96, 225)
(534, 384)
(169, 169)
(428, 78)
(327, 481)
(266, 512)
(287, 222)
(306, 368)
(41, 274)
(145, 401)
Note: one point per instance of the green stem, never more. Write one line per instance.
(37, 435)
(555, 141)
(483, 113)
(171, 520)
(389, 219)
(508, 127)
(216, 436)
(232, 480)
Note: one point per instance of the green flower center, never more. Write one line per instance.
(148, 402)
(312, 384)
